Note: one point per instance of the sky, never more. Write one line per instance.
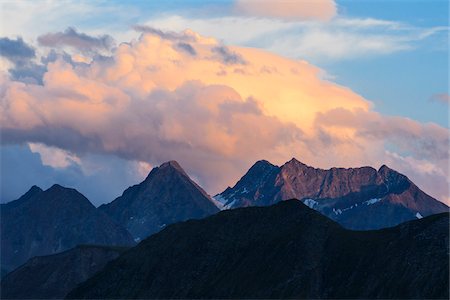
(96, 93)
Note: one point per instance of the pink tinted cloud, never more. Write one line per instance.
(153, 101)
(443, 98)
(322, 10)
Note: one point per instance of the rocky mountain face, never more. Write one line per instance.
(47, 222)
(53, 276)
(283, 251)
(166, 196)
(358, 198)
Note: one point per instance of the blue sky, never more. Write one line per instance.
(402, 83)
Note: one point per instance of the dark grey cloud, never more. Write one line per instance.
(78, 40)
(228, 57)
(21, 55)
(187, 47)
(16, 50)
(29, 72)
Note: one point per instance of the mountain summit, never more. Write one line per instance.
(166, 196)
(358, 198)
(47, 222)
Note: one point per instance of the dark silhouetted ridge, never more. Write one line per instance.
(283, 251)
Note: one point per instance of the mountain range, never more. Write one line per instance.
(357, 198)
(47, 222)
(51, 221)
(41, 224)
(283, 251)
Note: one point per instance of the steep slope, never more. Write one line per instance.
(166, 196)
(283, 251)
(358, 198)
(53, 276)
(255, 188)
(51, 221)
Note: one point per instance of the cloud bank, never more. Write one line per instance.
(216, 109)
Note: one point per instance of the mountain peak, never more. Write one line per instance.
(57, 187)
(34, 189)
(172, 164)
(295, 161)
(167, 166)
(384, 169)
(166, 196)
(261, 165)
(263, 162)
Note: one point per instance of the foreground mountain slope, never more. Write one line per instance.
(358, 198)
(47, 222)
(283, 251)
(53, 276)
(166, 196)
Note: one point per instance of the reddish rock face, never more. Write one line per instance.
(358, 198)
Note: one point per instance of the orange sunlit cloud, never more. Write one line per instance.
(212, 107)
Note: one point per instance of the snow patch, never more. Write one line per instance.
(230, 205)
(418, 215)
(219, 201)
(337, 211)
(137, 240)
(310, 203)
(244, 190)
(372, 201)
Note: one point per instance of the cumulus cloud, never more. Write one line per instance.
(77, 40)
(154, 101)
(288, 9)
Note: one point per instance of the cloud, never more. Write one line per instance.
(20, 56)
(288, 9)
(228, 57)
(54, 157)
(167, 35)
(187, 47)
(81, 41)
(443, 98)
(341, 38)
(16, 50)
(101, 178)
(154, 101)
